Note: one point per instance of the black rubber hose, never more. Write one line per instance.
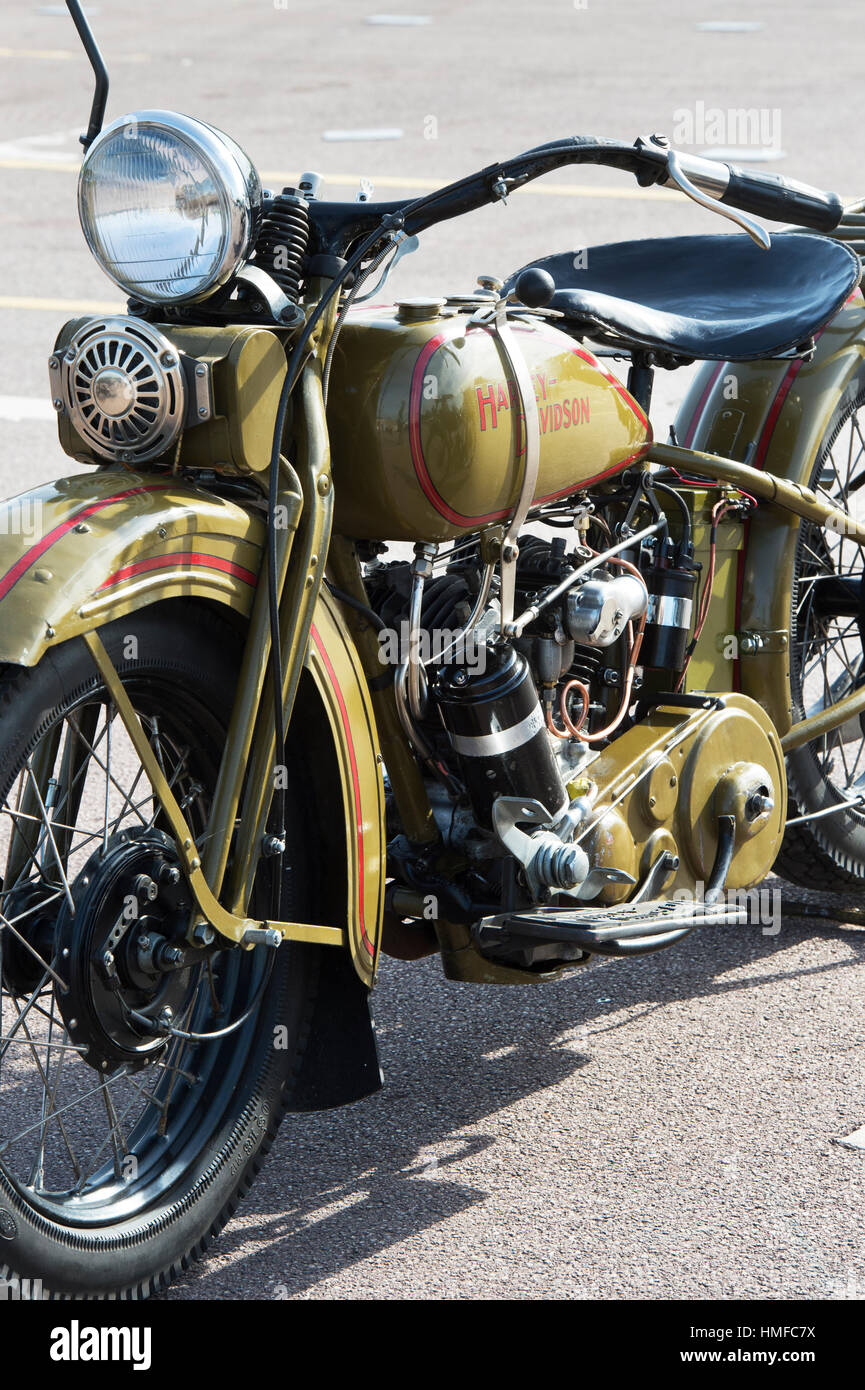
(371, 616)
(685, 509)
(723, 858)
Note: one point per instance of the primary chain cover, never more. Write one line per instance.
(668, 779)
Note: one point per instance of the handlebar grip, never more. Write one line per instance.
(783, 200)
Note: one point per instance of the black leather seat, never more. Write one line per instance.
(717, 297)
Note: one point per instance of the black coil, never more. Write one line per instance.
(282, 241)
(586, 665)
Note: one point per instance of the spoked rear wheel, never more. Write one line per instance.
(123, 1145)
(826, 663)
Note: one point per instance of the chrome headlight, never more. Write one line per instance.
(169, 206)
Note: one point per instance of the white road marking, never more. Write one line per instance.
(730, 26)
(37, 150)
(382, 133)
(63, 306)
(399, 20)
(19, 408)
(856, 1140)
(745, 154)
(51, 55)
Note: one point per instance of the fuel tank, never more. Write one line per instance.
(425, 427)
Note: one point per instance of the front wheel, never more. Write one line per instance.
(125, 1146)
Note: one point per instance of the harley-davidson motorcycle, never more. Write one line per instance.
(244, 749)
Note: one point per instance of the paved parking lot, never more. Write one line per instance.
(660, 1128)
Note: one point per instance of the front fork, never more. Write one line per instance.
(246, 780)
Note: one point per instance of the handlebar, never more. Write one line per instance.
(339, 225)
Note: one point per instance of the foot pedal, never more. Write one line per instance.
(626, 929)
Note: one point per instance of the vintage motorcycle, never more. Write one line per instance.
(242, 751)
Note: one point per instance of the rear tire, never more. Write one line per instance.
(220, 1102)
(826, 660)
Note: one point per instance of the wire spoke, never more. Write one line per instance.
(60, 866)
(64, 1109)
(128, 804)
(69, 1131)
(107, 780)
(45, 1119)
(829, 650)
(22, 1014)
(5, 923)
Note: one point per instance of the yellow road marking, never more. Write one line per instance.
(280, 177)
(51, 54)
(65, 306)
(62, 55)
(52, 166)
(547, 190)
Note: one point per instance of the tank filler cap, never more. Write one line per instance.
(419, 309)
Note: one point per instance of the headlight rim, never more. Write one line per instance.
(234, 174)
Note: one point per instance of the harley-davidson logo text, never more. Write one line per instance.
(552, 416)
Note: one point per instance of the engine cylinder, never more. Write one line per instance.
(495, 723)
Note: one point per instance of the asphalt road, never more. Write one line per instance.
(660, 1128)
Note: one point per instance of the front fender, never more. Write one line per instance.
(83, 551)
(772, 415)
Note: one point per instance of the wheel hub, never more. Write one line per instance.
(122, 951)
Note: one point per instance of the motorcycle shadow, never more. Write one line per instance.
(342, 1186)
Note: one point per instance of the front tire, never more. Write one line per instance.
(120, 1159)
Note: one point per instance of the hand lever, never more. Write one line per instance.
(678, 177)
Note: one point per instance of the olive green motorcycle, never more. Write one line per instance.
(606, 686)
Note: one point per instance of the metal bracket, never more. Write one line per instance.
(198, 377)
(549, 861)
(495, 318)
(282, 310)
(770, 643)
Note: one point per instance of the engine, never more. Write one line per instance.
(518, 732)
(519, 716)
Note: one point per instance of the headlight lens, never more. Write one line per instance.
(169, 206)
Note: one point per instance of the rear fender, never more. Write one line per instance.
(773, 416)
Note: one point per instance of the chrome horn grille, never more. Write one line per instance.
(122, 385)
